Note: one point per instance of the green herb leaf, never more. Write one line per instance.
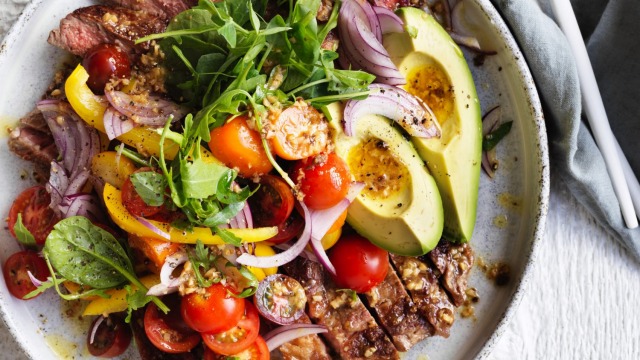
(23, 234)
(150, 185)
(228, 237)
(136, 299)
(200, 179)
(493, 138)
(252, 282)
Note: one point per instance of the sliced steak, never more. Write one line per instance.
(397, 313)
(430, 298)
(324, 11)
(353, 332)
(162, 8)
(454, 261)
(306, 347)
(32, 140)
(90, 26)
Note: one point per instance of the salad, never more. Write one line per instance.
(199, 173)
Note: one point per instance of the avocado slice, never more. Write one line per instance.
(399, 209)
(437, 72)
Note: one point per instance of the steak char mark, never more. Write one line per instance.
(87, 27)
(397, 313)
(32, 140)
(353, 332)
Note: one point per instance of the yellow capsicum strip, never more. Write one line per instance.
(128, 223)
(117, 301)
(264, 250)
(91, 109)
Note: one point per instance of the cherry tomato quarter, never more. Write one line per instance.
(109, 337)
(324, 180)
(240, 147)
(37, 216)
(257, 351)
(134, 202)
(272, 203)
(238, 338)
(15, 272)
(300, 131)
(104, 62)
(213, 310)
(169, 332)
(359, 264)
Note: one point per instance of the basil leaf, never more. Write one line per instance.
(23, 234)
(493, 138)
(86, 254)
(150, 185)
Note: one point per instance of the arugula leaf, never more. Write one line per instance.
(252, 282)
(201, 258)
(23, 234)
(150, 185)
(225, 193)
(228, 237)
(136, 299)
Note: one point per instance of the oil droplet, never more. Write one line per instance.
(500, 221)
(62, 347)
(510, 201)
(6, 124)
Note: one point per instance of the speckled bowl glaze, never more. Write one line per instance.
(511, 213)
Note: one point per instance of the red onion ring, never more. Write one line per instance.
(94, 328)
(34, 280)
(396, 104)
(389, 21)
(286, 333)
(305, 254)
(153, 228)
(285, 256)
(114, 125)
(170, 264)
(153, 111)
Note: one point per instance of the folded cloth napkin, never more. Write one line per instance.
(610, 29)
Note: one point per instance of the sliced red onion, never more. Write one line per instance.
(149, 110)
(94, 328)
(247, 215)
(365, 12)
(170, 264)
(389, 21)
(305, 254)
(162, 289)
(466, 41)
(286, 333)
(57, 184)
(34, 280)
(396, 104)
(361, 45)
(461, 33)
(153, 228)
(86, 205)
(490, 122)
(116, 124)
(285, 256)
(77, 183)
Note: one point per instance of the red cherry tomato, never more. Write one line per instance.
(104, 62)
(111, 337)
(257, 351)
(213, 311)
(237, 338)
(169, 332)
(240, 147)
(134, 203)
(359, 264)
(272, 203)
(15, 272)
(289, 229)
(324, 180)
(37, 216)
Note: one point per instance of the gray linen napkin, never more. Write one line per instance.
(612, 31)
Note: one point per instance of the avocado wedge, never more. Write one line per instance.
(399, 209)
(437, 72)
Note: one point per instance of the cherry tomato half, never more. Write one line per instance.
(15, 272)
(37, 216)
(280, 299)
(257, 351)
(240, 147)
(272, 203)
(213, 311)
(133, 201)
(169, 332)
(359, 264)
(324, 180)
(299, 132)
(104, 62)
(237, 338)
(111, 337)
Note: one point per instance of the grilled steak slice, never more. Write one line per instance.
(162, 8)
(32, 140)
(397, 313)
(430, 298)
(306, 347)
(454, 261)
(90, 26)
(353, 332)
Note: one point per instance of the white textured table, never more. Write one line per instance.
(582, 299)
